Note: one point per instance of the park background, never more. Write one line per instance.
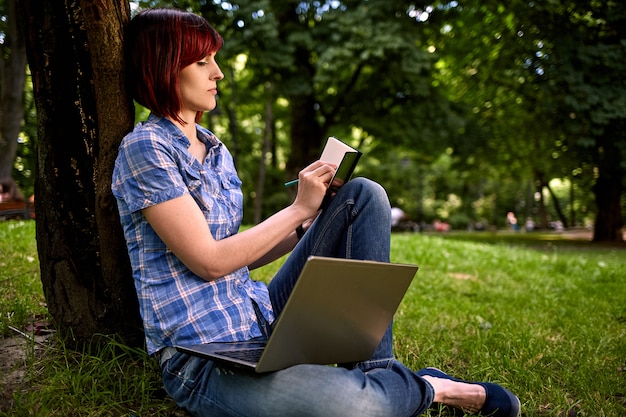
(465, 111)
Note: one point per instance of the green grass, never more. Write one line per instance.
(21, 294)
(111, 380)
(540, 314)
(550, 324)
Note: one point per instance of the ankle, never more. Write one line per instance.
(466, 396)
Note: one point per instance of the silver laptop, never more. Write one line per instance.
(337, 313)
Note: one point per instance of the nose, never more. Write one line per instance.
(217, 73)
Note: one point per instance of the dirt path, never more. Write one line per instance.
(15, 352)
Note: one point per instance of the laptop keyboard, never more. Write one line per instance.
(248, 355)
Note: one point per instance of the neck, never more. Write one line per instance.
(196, 147)
(189, 128)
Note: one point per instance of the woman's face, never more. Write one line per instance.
(198, 85)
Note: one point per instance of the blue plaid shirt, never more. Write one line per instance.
(177, 306)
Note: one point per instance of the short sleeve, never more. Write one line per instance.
(146, 171)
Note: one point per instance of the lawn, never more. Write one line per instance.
(541, 314)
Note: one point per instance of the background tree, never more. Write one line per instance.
(356, 70)
(545, 84)
(12, 80)
(75, 56)
(587, 46)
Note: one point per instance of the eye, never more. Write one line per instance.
(202, 63)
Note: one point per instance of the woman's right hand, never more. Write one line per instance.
(313, 182)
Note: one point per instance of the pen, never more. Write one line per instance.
(290, 183)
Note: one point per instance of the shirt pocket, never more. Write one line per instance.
(205, 188)
(231, 184)
(192, 178)
(230, 180)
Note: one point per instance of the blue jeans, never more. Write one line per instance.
(355, 225)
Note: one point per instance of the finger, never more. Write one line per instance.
(326, 171)
(323, 172)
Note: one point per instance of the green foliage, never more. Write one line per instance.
(481, 84)
(541, 85)
(24, 165)
(514, 93)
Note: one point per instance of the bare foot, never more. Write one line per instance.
(468, 397)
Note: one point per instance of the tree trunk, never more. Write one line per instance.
(305, 134)
(233, 124)
(12, 77)
(75, 54)
(542, 211)
(557, 206)
(305, 130)
(267, 141)
(572, 203)
(608, 223)
(608, 187)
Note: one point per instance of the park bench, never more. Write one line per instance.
(16, 209)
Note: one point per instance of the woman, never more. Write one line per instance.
(180, 205)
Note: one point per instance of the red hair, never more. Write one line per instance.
(159, 44)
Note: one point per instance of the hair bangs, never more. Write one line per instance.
(198, 41)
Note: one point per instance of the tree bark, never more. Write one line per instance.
(75, 54)
(12, 77)
(542, 211)
(305, 130)
(608, 224)
(608, 187)
(305, 134)
(557, 206)
(267, 141)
